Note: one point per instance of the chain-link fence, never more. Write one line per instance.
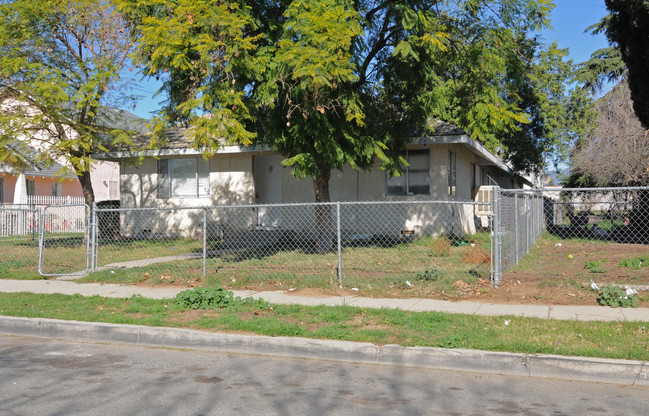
(375, 246)
(19, 238)
(372, 244)
(605, 214)
(597, 235)
(518, 222)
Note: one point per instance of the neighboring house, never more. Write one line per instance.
(53, 180)
(45, 184)
(446, 166)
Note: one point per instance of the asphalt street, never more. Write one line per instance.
(40, 376)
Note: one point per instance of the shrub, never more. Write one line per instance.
(441, 247)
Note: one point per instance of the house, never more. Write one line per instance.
(38, 183)
(44, 183)
(446, 166)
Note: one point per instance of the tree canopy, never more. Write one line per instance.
(628, 31)
(329, 82)
(60, 61)
(617, 150)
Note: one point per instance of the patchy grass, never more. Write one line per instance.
(626, 340)
(378, 268)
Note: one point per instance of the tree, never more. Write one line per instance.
(628, 30)
(604, 65)
(60, 61)
(330, 82)
(617, 151)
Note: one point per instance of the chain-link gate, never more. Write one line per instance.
(64, 243)
(18, 241)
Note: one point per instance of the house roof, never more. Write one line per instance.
(179, 143)
(29, 164)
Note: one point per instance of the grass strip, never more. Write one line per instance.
(624, 340)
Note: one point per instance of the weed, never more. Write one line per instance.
(441, 247)
(635, 263)
(211, 298)
(595, 266)
(451, 341)
(430, 275)
(476, 255)
(616, 297)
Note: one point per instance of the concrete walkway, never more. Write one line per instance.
(566, 312)
(627, 372)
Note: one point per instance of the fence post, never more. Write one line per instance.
(495, 279)
(516, 230)
(204, 242)
(339, 244)
(41, 239)
(93, 237)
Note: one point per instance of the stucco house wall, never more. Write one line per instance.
(233, 194)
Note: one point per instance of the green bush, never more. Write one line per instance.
(616, 297)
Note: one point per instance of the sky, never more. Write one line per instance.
(570, 18)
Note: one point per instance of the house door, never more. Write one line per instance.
(268, 190)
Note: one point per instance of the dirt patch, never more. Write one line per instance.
(554, 273)
(561, 273)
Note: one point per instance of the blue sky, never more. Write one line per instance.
(570, 18)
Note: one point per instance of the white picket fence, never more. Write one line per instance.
(51, 200)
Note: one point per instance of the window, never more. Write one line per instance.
(113, 190)
(57, 189)
(415, 178)
(183, 178)
(474, 181)
(31, 187)
(452, 168)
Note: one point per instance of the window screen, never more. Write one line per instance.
(183, 178)
(415, 179)
(31, 187)
(57, 189)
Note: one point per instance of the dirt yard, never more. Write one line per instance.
(561, 273)
(554, 273)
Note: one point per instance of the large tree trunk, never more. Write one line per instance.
(324, 223)
(86, 187)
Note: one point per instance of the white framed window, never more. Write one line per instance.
(416, 177)
(183, 178)
(452, 171)
(57, 189)
(31, 187)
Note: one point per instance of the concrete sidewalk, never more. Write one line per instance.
(627, 372)
(565, 312)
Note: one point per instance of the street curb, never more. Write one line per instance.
(626, 372)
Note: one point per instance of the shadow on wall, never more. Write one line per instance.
(183, 217)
